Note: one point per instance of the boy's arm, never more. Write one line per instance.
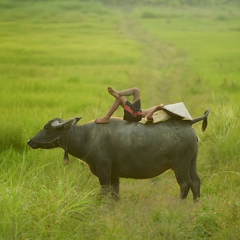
(149, 112)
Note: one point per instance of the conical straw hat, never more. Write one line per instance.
(178, 109)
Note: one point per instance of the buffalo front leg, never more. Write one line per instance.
(104, 176)
(105, 185)
(105, 189)
(115, 187)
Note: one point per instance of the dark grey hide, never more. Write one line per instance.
(129, 150)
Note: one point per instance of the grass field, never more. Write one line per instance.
(57, 59)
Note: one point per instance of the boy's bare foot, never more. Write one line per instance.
(102, 120)
(113, 92)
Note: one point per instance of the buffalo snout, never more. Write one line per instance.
(32, 144)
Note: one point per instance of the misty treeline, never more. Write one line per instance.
(153, 2)
(174, 2)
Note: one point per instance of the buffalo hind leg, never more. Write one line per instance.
(195, 187)
(196, 182)
(184, 182)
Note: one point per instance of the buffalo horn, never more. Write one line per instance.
(56, 124)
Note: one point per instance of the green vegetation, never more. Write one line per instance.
(57, 59)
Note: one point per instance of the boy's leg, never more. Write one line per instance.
(119, 101)
(135, 92)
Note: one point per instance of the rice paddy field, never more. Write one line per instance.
(57, 59)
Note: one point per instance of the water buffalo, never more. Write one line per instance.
(129, 150)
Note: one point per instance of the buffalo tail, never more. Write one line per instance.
(204, 118)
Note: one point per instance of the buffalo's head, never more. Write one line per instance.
(50, 135)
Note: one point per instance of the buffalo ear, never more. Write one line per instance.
(71, 122)
(76, 120)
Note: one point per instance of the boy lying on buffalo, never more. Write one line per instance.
(132, 111)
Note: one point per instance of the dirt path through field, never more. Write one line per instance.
(161, 65)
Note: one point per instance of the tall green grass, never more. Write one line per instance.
(57, 59)
(43, 199)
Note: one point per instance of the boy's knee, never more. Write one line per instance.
(136, 90)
